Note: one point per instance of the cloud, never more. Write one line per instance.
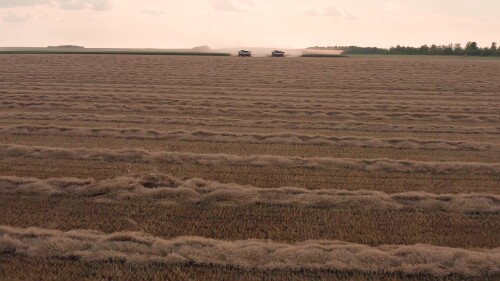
(16, 18)
(311, 13)
(332, 11)
(96, 5)
(21, 3)
(154, 12)
(231, 5)
(350, 16)
(391, 7)
(249, 3)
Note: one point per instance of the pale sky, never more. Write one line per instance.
(251, 23)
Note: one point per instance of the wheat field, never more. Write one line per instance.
(120, 167)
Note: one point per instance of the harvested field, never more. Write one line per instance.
(217, 168)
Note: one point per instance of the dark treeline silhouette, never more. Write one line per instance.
(470, 49)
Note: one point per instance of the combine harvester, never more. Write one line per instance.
(274, 54)
(244, 53)
(278, 54)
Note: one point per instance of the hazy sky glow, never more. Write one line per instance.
(257, 23)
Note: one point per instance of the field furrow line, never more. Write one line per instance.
(200, 110)
(164, 188)
(223, 137)
(241, 123)
(143, 156)
(136, 247)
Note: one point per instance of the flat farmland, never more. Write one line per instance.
(224, 168)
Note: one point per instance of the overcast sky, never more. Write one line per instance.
(251, 23)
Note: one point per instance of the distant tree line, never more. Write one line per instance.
(470, 49)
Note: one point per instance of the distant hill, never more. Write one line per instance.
(201, 49)
(66, 47)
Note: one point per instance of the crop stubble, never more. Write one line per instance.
(415, 141)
